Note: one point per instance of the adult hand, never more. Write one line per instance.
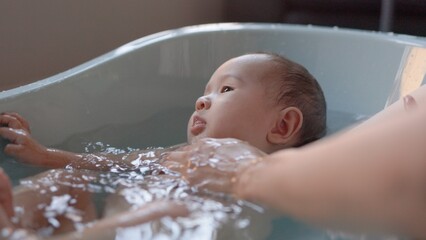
(213, 164)
(21, 146)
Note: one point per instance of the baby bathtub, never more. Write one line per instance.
(142, 93)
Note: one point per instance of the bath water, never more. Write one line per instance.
(213, 216)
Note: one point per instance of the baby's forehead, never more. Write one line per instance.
(251, 63)
(252, 59)
(268, 71)
(251, 67)
(265, 68)
(254, 56)
(261, 63)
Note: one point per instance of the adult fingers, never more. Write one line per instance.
(5, 224)
(6, 194)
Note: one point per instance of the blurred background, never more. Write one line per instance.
(41, 38)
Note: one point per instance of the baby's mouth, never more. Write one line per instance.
(198, 125)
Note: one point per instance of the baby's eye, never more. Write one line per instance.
(226, 89)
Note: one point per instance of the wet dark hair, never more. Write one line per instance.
(296, 87)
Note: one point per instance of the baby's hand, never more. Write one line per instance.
(213, 164)
(21, 146)
(14, 120)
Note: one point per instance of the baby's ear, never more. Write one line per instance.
(287, 127)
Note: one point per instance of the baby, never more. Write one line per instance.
(263, 99)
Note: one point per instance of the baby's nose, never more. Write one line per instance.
(202, 103)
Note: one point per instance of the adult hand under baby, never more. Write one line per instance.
(21, 146)
(213, 164)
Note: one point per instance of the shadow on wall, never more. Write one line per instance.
(43, 38)
(399, 16)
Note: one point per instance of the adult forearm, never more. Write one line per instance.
(374, 175)
(275, 181)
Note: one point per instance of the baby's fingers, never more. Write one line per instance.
(13, 135)
(24, 122)
(15, 121)
(11, 122)
(13, 150)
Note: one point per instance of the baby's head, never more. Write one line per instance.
(264, 99)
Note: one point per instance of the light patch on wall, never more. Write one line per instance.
(412, 74)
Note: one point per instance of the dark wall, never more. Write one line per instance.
(408, 16)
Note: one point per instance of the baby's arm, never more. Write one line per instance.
(26, 149)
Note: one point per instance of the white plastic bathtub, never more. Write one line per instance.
(142, 93)
(167, 71)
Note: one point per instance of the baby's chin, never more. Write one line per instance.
(192, 139)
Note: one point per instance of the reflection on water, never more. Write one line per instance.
(121, 190)
(212, 216)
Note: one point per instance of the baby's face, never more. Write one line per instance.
(235, 104)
